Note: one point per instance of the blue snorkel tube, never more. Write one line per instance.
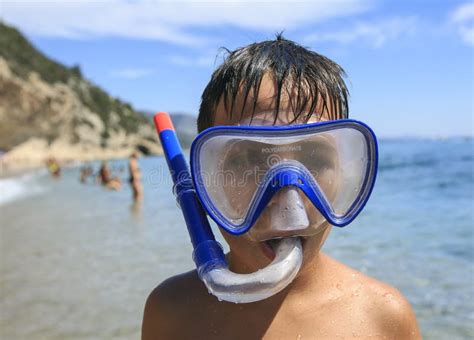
(208, 252)
(208, 255)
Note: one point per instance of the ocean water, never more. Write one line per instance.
(78, 262)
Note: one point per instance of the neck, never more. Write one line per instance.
(310, 275)
(313, 268)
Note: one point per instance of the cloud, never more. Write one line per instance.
(463, 19)
(200, 61)
(131, 73)
(463, 13)
(375, 33)
(168, 21)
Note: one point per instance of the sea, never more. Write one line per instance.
(78, 261)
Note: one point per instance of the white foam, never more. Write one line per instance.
(15, 188)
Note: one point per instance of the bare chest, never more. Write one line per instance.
(329, 322)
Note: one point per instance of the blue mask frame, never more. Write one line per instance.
(288, 173)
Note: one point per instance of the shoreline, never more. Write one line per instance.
(16, 166)
(6, 173)
(33, 154)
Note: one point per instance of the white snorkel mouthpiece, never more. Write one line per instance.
(266, 282)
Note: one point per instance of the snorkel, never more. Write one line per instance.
(208, 255)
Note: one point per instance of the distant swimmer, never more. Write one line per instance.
(53, 167)
(106, 179)
(86, 171)
(135, 176)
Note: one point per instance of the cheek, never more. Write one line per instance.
(325, 233)
(231, 240)
(314, 243)
(245, 251)
(262, 225)
(316, 219)
(242, 244)
(238, 244)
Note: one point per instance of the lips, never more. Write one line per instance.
(268, 246)
(267, 249)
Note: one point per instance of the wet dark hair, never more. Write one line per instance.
(312, 76)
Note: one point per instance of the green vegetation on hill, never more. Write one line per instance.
(24, 58)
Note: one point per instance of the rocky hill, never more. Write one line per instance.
(48, 109)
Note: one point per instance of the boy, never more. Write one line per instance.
(278, 83)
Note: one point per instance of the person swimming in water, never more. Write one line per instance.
(135, 176)
(85, 172)
(106, 179)
(53, 167)
(277, 83)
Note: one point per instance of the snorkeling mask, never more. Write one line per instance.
(295, 177)
(269, 182)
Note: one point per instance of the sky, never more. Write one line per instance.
(409, 64)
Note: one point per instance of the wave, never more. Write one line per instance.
(19, 187)
(413, 163)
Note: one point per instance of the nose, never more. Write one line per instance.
(288, 212)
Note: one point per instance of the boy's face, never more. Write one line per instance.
(251, 254)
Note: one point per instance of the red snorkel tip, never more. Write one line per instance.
(163, 122)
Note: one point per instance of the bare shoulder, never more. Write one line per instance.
(394, 313)
(383, 304)
(170, 303)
